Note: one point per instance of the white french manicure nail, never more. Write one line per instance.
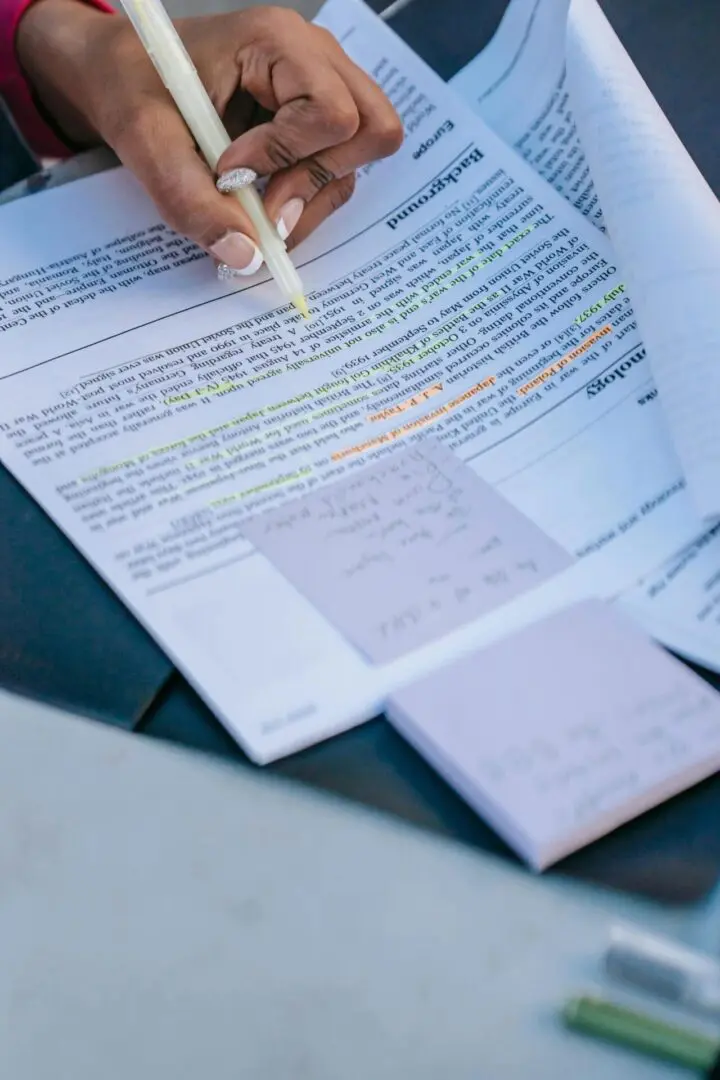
(237, 255)
(235, 179)
(289, 216)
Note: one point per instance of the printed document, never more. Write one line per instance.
(577, 109)
(556, 83)
(153, 411)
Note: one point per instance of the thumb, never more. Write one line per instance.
(159, 149)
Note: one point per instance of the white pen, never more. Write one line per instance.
(177, 71)
(664, 968)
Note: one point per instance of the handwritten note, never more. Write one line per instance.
(565, 730)
(406, 550)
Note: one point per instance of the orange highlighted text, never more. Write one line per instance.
(415, 425)
(568, 358)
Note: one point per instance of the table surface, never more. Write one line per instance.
(165, 916)
(674, 853)
(88, 654)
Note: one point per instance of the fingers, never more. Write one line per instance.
(331, 198)
(158, 148)
(379, 135)
(330, 120)
(316, 111)
(327, 119)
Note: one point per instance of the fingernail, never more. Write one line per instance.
(289, 217)
(238, 253)
(235, 179)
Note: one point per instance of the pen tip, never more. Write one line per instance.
(301, 304)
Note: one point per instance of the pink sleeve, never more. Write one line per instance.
(14, 88)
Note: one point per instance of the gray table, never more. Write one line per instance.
(167, 917)
(675, 852)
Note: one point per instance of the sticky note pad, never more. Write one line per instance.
(563, 731)
(401, 552)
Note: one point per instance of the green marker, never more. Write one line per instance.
(646, 1034)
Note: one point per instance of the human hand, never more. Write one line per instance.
(300, 112)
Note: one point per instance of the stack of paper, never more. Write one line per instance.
(565, 730)
(503, 404)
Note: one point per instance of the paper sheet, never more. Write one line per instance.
(404, 551)
(578, 110)
(518, 85)
(679, 602)
(664, 222)
(562, 732)
(151, 410)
